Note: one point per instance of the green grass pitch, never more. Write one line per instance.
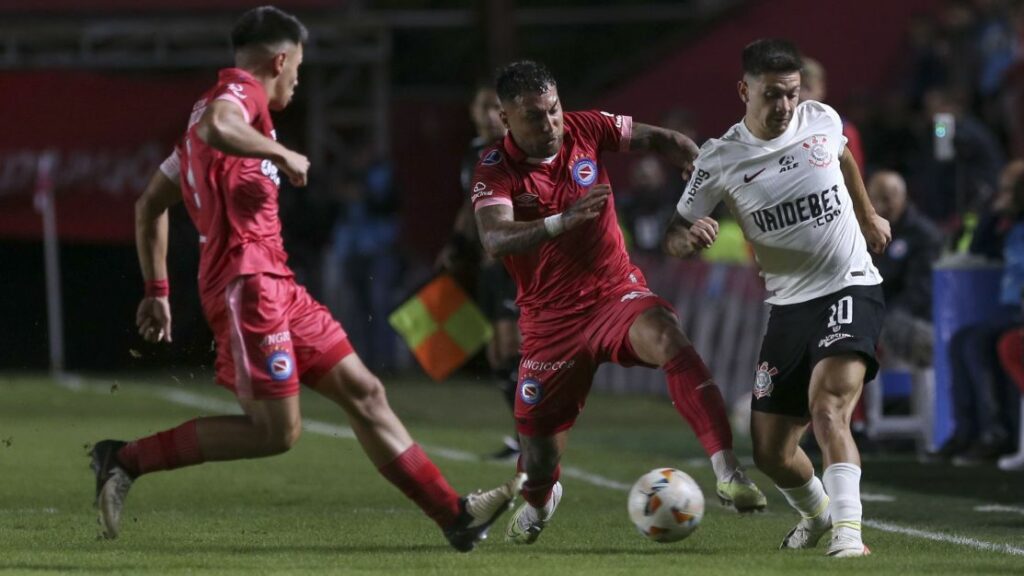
(322, 508)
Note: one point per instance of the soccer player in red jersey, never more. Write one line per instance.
(541, 199)
(270, 334)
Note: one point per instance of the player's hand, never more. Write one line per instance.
(877, 233)
(684, 155)
(153, 319)
(703, 233)
(295, 166)
(588, 207)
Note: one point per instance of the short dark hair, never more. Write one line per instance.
(524, 76)
(266, 26)
(771, 55)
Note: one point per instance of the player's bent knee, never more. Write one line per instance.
(279, 437)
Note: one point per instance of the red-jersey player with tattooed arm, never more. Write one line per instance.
(270, 334)
(541, 199)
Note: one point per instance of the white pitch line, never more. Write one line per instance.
(999, 508)
(185, 398)
(940, 537)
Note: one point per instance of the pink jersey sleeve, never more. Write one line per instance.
(491, 183)
(612, 132)
(240, 93)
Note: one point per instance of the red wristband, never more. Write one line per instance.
(157, 288)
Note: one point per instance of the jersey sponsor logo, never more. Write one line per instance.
(748, 179)
(541, 366)
(491, 158)
(269, 170)
(817, 151)
(237, 90)
(278, 338)
(280, 365)
(527, 199)
(479, 191)
(821, 207)
(832, 339)
(763, 384)
(584, 172)
(787, 163)
(695, 183)
(530, 391)
(636, 295)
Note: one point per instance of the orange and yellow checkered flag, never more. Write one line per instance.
(442, 326)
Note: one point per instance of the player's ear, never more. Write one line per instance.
(744, 90)
(504, 118)
(278, 62)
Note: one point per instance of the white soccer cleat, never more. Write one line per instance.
(112, 484)
(807, 532)
(479, 510)
(846, 543)
(1013, 462)
(528, 522)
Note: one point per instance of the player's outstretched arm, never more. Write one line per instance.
(501, 235)
(673, 146)
(875, 228)
(153, 316)
(223, 127)
(683, 239)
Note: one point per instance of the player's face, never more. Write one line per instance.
(486, 113)
(535, 121)
(288, 77)
(770, 98)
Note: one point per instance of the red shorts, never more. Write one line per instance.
(558, 365)
(271, 335)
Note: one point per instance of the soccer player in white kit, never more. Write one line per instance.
(786, 175)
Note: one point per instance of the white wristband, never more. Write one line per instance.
(554, 225)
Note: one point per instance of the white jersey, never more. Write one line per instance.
(791, 201)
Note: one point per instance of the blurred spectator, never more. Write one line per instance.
(814, 86)
(363, 266)
(984, 403)
(645, 207)
(947, 189)
(906, 266)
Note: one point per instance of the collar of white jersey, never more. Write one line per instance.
(775, 143)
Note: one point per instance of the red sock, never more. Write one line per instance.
(165, 450)
(537, 490)
(420, 480)
(701, 405)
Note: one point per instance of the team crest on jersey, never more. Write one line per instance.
(530, 391)
(584, 171)
(280, 365)
(817, 150)
(763, 384)
(491, 158)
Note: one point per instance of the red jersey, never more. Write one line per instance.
(570, 273)
(232, 200)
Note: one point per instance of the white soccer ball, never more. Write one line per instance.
(666, 505)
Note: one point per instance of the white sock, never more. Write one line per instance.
(809, 500)
(842, 482)
(725, 464)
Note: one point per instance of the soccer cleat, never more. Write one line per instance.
(479, 510)
(528, 522)
(1013, 462)
(509, 450)
(846, 543)
(741, 493)
(807, 532)
(112, 484)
